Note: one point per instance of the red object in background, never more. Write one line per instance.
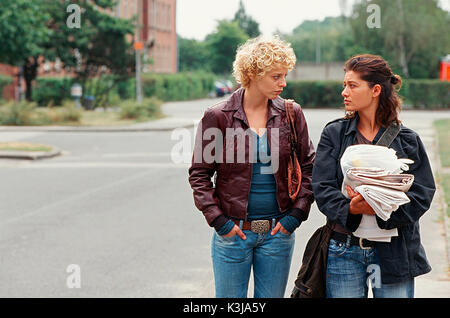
(445, 68)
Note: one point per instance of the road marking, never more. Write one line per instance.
(99, 164)
(136, 154)
(77, 197)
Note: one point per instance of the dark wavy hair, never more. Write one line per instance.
(375, 70)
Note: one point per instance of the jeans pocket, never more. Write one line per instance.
(221, 239)
(284, 235)
(337, 248)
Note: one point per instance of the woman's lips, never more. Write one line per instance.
(346, 102)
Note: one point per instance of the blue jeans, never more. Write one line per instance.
(233, 259)
(349, 270)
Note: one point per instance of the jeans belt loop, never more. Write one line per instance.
(241, 224)
(349, 238)
(362, 245)
(273, 223)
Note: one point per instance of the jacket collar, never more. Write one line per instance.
(352, 127)
(234, 103)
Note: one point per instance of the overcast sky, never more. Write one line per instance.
(197, 18)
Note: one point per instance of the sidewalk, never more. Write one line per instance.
(434, 224)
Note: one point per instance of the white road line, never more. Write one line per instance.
(76, 197)
(99, 164)
(136, 154)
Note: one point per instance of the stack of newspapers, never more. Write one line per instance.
(377, 174)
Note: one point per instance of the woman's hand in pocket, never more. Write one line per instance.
(236, 230)
(279, 227)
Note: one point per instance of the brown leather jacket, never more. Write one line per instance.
(229, 196)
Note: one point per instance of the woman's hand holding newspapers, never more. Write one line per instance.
(357, 204)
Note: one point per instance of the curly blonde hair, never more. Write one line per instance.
(260, 55)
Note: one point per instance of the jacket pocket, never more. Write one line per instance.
(301, 291)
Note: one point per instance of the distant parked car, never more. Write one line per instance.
(220, 88)
(229, 86)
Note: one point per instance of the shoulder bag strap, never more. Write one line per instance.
(290, 115)
(389, 135)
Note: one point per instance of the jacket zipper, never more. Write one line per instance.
(251, 178)
(269, 140)
(249, 188)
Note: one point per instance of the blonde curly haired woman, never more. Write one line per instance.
(248, 204)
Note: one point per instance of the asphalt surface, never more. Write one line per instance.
(117, 205)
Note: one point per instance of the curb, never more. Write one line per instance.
(95, 129)
(165, 125)
(30, 155)
(133, 128)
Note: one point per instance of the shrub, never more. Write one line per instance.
(67, 113)
(166, 87)
(419, 93)
(51, 90)
(177, 87)
(150, 108)
(28, 114)
(426, 93)
(315, 93)
(14, 113)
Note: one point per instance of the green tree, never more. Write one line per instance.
(98, 51)
(246, 22)
(193, 55)
(412, 36)
(23, 33)
(33, 29)
(222, 45)
(332, 37)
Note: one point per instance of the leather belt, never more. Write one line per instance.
(354, 240)
(256, 226)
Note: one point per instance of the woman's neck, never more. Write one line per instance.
(367, 124)
(254, 100)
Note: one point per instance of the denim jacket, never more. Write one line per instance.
(404, 257)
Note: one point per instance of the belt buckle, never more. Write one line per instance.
(260, 226)
(362, 245)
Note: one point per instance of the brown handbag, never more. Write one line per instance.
(294, 171)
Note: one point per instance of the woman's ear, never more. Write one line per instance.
(376, 90)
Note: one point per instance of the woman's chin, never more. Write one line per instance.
(349, 108)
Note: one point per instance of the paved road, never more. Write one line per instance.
(116, 205)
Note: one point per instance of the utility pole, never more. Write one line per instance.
(401, 40)
(138, 47)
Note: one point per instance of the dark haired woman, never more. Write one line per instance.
(372, 104)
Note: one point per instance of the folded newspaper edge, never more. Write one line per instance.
(383, 201)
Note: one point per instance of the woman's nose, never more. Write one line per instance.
(344, 92)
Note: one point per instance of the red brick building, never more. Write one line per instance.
(157, 31)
